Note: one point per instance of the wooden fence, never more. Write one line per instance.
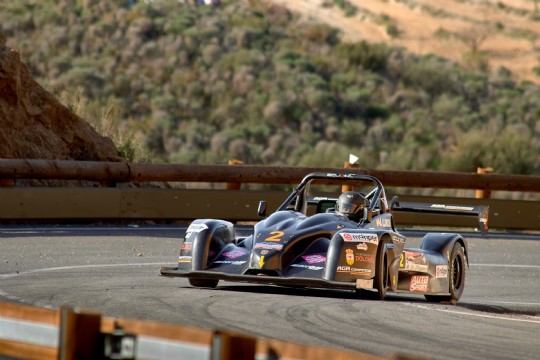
(28, 332)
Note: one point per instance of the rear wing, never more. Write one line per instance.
(480, 212)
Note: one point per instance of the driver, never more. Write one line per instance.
(351, 204)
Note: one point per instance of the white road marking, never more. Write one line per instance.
(504, 302)
(34, 271)
(58, 268)
(530, 319)
(508, 266)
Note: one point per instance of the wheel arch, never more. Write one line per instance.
(209, 238)
(444, 243)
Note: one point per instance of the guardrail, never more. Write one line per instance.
(67, 334)
(123, 172)
(132, 204)
(124, 203)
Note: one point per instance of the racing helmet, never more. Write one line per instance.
(351, 204)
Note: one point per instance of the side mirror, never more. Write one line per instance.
(394, 202)
(261, 211)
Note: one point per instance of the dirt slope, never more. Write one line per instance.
(507, 32)
(34, 125)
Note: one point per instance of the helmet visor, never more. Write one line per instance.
(346, 208)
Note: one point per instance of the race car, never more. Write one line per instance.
(348, 242)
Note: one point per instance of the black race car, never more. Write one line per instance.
(349, 242)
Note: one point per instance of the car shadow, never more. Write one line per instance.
(514, 309)
(362, 294)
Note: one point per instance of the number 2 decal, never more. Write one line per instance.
(276, 236)
(402, 261)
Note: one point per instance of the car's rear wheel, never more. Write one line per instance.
(381, 268)
(206, 283)
(456, 277)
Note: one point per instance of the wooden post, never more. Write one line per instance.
(348, 165)
(483, 194)
(235, 185)
(79, 335)
(231, 346)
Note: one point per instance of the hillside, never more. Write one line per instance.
(34, 125)
(506, 33)
(253, 81)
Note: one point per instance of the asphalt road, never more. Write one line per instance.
(115, 271)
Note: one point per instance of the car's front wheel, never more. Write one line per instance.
(381, 268)
(205, 283)
(456, 277)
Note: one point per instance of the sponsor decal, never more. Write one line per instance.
(360, 237)
(339, 175)
(309, 267)
(452, 207)
(234, 253)
(236, 262)
(416, 257)
(268, 246)
(416, 267)
(413, 261)
(349, 256)
(383, 223)
(419, 283)
(313, 259)
(399, 239)
(353, 271)
(197, 227)
(364, 258)
(441, 271)
(264, 252)
(364, 284)
(184, 259)
(362, 246)
(186, 246)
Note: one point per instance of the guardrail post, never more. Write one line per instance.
(483, 194)
(229, 346)
(235, 185)
(348, 165)
(80, 336)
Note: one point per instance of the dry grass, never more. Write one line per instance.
(506, 32)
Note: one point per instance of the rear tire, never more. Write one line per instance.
(456, 275)
(205, 283)
(381, 269)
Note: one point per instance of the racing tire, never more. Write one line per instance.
(381, 269)
(456, 274)
(204, 283)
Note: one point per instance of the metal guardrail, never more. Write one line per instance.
(123, 172)
(59, 204)
(123, 203)
(67, 334)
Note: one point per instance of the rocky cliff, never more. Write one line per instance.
(34, 125)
